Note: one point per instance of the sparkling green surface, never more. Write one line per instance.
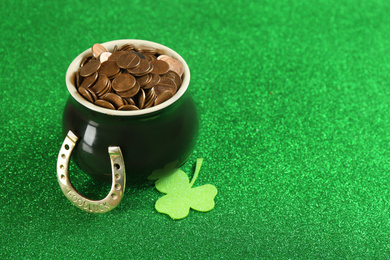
(293, 99)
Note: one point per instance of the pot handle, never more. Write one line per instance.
(118, 179)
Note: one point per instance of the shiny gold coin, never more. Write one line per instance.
(88, 81)
(113, 98)
(128, 60)
(159, 67)
(98, 49)
(162, 97)
(123, 82)
(174, 64)
(104, 103)
(89, 68)
(109, 68)
(128, 107)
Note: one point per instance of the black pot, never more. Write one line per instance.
(153, 141)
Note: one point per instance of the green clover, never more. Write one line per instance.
(180, 196)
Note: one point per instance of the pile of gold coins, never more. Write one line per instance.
(129, 77)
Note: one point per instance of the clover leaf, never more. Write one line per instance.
(180, 196)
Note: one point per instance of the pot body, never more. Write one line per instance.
(151, 142)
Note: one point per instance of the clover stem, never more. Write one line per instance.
(197, 169)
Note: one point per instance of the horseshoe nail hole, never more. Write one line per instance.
(67, 147)
(62, 167)
(117, 166)
(118, 186)
(62, 177)
(114, 196)
(63, 156)
(117, 176)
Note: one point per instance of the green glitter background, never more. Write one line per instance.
(293, 98)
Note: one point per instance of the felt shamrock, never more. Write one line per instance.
(180, 196)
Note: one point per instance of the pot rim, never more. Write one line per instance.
(75, 64)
